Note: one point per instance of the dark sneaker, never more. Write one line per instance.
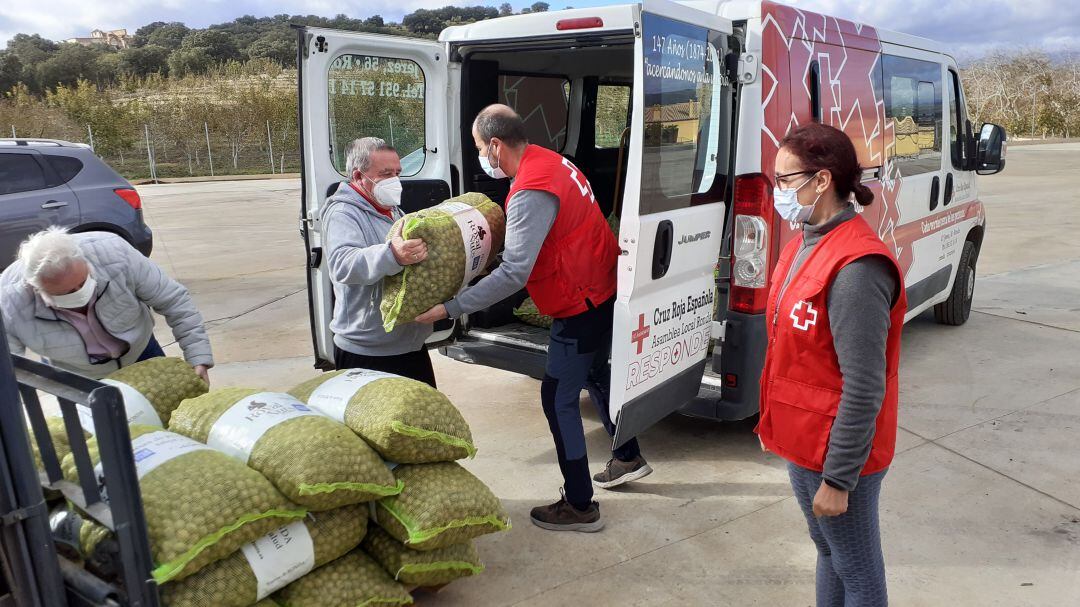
(561, 516)
(619, 472)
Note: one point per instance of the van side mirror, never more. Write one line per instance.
(990, 152)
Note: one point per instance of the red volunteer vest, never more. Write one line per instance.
(801, 381)
(577, 260)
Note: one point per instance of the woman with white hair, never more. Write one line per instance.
(84, 301)
(356, 221)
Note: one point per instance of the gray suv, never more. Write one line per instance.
(46, 182)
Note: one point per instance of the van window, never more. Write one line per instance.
(20, 173)
(686, 116)
(612, 114)
(957, 122)
(913, 107)
(544, 103)
(381, 97)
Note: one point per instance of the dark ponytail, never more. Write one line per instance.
(821, 147)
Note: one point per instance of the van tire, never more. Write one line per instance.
(957, 308)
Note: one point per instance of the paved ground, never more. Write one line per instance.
(981, 507)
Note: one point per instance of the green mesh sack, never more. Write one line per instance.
(60, 441)
(463, 236)
(431, 568)
(274, 561)
(354, 580)
(267, 603)
(405, 420)
(442, 504)
(529, 314)
(314, 460)
(154, 388)
(200, 505)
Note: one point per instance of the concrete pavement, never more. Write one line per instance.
(981, 507)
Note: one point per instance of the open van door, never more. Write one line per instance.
(367, 85)
(673, 213)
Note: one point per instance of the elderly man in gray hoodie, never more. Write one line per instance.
(356, 221)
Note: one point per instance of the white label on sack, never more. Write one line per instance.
(138, 408)
(243, 424)
(475, 235)
(280, 557)
(333, 396)
(152, 450)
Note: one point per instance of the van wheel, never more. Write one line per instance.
(956, 309)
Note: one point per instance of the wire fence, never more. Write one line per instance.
(204, 152)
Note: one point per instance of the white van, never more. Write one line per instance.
(674, 111)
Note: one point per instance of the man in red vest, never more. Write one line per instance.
(559, 247)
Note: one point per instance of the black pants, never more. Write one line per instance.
(578, 358)
(414, 365)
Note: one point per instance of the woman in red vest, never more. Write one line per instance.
(829, 387)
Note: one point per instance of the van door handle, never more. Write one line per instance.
(948, 189)
(661, 258)
(935, 192)
(54, 204)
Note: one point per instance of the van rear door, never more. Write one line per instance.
(367, 85)
(673, 213)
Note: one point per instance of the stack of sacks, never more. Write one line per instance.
(426, 529)
(529, 314)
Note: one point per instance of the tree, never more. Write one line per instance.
(144, 60)
(278, 46)
(73, 62)
(189, 61)
(31, 51)
(10, 71)
(540, 7)
(168, 35)
(217, 45)
(375, 21)
(423, 21)
(505, 9)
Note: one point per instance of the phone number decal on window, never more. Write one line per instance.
(365, 63)
(371, 88)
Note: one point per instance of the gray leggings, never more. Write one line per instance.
(850, 567)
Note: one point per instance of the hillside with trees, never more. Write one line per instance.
(222, 99)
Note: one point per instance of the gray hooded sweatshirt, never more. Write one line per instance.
(358, 258)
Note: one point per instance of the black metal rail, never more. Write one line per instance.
(109, 493)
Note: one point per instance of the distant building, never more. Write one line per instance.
(117, 39)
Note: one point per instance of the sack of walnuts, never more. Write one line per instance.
(315, 461)
(272, 562)
(463, 236)
(405, 420)
(351, 581)
(431, 568)
(200, 504)
(441, 505)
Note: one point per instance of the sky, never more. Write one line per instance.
(971, 26)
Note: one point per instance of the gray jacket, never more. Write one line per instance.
(128, 287)
(358, 258)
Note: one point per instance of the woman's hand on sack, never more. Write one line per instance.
(830, 501)
(408, 252)
(436, 313)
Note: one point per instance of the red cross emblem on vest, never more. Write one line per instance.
(803, 316)
(639, 335)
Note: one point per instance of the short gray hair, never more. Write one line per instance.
(47, 254)
(500, 121)
(359, 151)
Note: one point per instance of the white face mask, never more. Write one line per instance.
(786, 203)
(76, 300)
(387, 192)
(495, 172)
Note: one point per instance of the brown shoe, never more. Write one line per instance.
(562, 516)
(619, 472)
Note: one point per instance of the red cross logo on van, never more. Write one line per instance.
(638, 335)
(803, 316)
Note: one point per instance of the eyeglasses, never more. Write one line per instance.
(778, 179)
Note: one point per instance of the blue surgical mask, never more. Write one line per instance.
(493, 172)
(786, 203)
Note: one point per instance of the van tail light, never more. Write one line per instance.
(130, 196)
(582, 23)
(750, 257)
